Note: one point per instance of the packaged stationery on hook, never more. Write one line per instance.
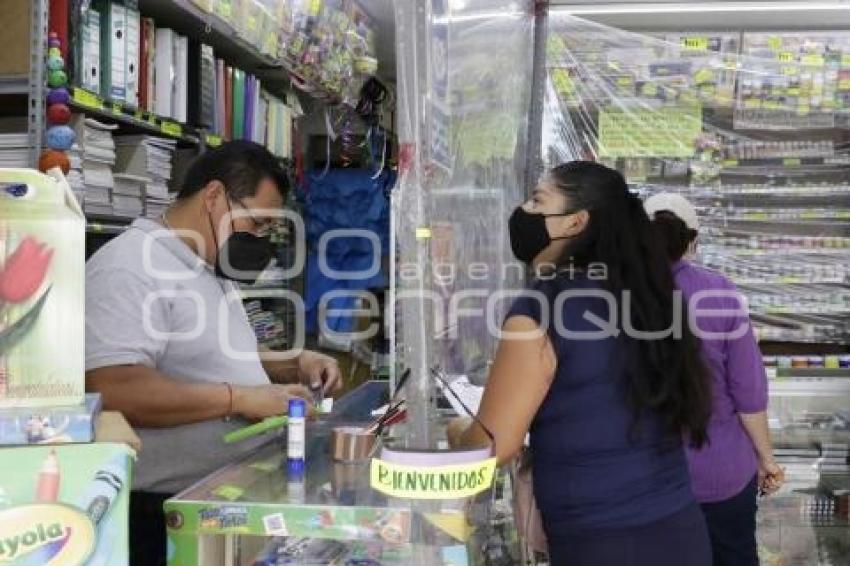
(42, 293)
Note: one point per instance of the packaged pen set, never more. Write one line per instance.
(65, 504)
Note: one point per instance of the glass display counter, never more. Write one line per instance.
(806, 522)
(255, 512)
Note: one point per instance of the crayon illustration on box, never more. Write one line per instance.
(65, 505)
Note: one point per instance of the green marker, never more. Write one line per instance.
(265, 425)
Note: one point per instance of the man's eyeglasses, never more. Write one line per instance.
(261, 228)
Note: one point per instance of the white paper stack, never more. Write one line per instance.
(94, 156)
(14, 150)
(148, 157)
(128, 196)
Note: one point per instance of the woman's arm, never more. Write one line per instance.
(519, 381)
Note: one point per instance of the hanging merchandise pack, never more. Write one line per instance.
(42, 293)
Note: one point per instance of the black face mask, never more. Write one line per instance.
(243, 256)
(529, 235)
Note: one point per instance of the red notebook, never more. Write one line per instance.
(228, 103)
(57, 21)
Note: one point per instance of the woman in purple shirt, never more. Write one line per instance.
(737, 462)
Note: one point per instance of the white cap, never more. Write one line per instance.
(677, 204)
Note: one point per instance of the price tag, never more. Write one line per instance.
(774, 42)
(730, 162)
(315, 7)
(794, 91)
(789, 71)
(786, 57)
(624, 81)
(87, 99)
(171, 128)
(117, 109)
(213, 140)
(695, 43)
(423, 233)
(792, 162)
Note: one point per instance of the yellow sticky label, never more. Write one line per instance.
(87, 99)
(315, 7)
(704, 76)
(792, 162)
(624, 81)
(813, 60)
(771, 105)
(213, 140)
(265, 466)
(252, 24)
(752, 103)
(117, 109)
(171, 128)
(794, 91)
(790, 280)
(786, 57)
(439, 482)
(774, 42)
(423, 233)
(695, 43)
(730, 162)
(229, 492)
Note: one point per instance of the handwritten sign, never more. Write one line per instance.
(439, 482)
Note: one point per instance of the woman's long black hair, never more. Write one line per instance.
(672, 379)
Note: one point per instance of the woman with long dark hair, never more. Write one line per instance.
(596, 363)
(727, 473)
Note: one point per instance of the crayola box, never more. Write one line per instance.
(64, 505)
(42, 291)
(50, 425)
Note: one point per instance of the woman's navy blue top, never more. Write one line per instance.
(594, 466)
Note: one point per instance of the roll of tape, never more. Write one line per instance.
(351, 444)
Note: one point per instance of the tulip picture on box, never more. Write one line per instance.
(22, 276)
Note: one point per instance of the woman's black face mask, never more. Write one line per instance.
(529, 234)
(243, 255)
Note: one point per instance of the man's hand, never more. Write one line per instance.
(255, 403)
(319, 371)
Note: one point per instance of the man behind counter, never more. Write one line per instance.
(169, 344)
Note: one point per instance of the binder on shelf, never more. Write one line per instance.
(202, 85)
(145, 66)
(113, 42)
(133, 46)
(220, 98)
(58, 24)
(238, 104)
(248, 132)
(228, 103)
(88, 66)
(164, 71)
(180, 96)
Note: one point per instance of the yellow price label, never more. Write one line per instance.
(624, 81)
(171, 128)
(213, 140)
(87, 99)
(774, 42)
(786, 57)
(423, 233)
(730, 162)
(794, 91)
(252, 23)
(792, 162)
(229, 492)
(789, 71)
(771, 105)
(315, 7)
(790, 280)
(695, 43)
(117, 109)
(439, 482)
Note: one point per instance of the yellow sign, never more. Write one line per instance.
(813, 60)
(45, 533)
(423, 233)
(669, 131)
(786, 56)
(87, 99)
(172, 129)
(440, 482)
(213, 140)
(695, 43)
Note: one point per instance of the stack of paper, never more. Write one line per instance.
(128, 196)
(92, 159)
(148, 157)
(14, 150)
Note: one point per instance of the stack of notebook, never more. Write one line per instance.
(92, 159)
(148, 158)
(14, 150)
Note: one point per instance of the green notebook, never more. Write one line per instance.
(238, 104)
